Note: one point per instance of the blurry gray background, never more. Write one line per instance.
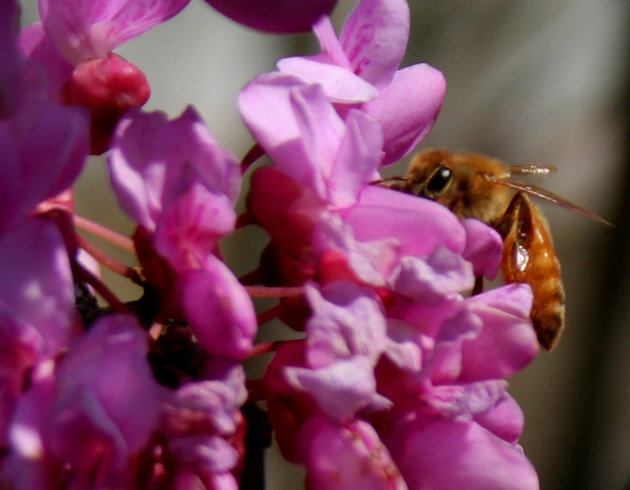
(537, 81)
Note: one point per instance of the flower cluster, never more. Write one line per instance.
(397, 380)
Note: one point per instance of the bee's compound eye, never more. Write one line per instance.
(438, 182)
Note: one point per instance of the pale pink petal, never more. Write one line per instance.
(339, 84)
(374, 38)
(329, 43)
(295, 124)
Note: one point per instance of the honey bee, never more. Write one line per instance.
(481, 187)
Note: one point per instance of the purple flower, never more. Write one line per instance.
(282, 16)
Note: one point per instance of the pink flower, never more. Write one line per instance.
(74, 42)
(281, 16)
(360, 69)
(347, 456)
(176, 181)
(96, 416)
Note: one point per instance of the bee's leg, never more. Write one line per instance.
(516, 227)
(478, 288)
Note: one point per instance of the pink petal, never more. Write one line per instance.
(295, 124)
(329, 43)
(407, 108)
(106, 374)
(193, 225)
(218, 309)
(339, 84)
(41, 287)
(346, 321)
(418, 224)
(357, 160)
(505, 419)
(439, 454)
(374, 38)
(347, 457)
(340, 389)
(507, 342)
(82, 30)
(35, 45)
(47, 132)
(484, 248)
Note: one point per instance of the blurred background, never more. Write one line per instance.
(542, 81)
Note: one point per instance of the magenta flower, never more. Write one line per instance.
(282, 16)
(360, 69)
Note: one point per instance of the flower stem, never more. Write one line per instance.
(271, 292)
(112, 264)
(252, 155)
(104, 232)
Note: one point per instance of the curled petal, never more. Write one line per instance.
(434, 279)
(346, 321)
(295, 124)
(154, 161)
(407, 108)
(341, 389)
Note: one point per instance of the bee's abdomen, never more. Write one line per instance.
(528, 256)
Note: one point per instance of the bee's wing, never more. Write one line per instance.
(542, 170)
(541, 193)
